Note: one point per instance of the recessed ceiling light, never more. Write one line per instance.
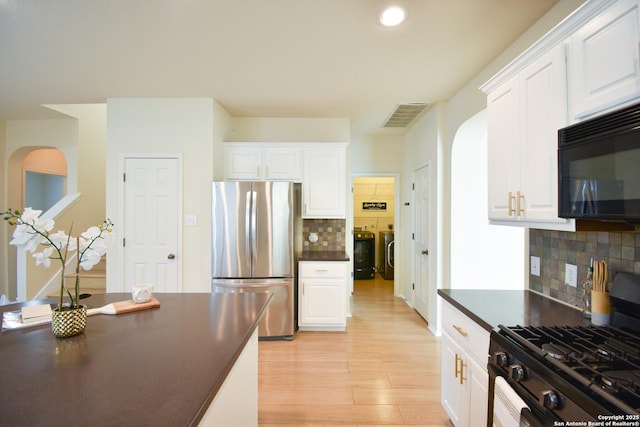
(393, 16)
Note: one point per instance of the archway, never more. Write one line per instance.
(50, 165)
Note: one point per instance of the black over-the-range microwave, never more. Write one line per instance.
(599, 167)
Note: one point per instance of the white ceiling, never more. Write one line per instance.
(258, 58)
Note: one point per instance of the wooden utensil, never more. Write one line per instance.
(121, 307)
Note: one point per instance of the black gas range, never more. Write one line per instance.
(569, 375)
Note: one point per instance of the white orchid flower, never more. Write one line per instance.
(31, 245)
(30, 216)
(59, 239)
(89, 259)
(44, 257)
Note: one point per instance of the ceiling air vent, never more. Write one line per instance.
(404, 114)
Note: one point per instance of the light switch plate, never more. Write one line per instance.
(535, 265)
(191, 220)
(571, 275)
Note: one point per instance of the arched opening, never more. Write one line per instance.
(483, 256)
(45, 172)
(36, 175)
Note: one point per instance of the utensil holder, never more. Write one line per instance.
(600, 308)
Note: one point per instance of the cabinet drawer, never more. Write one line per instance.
(323, 269)
(471, 336)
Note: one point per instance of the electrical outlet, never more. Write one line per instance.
(535, 265)
(571, 275)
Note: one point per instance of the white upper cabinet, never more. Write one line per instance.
(320, 167)
(324, 182)
(524, 115)
(543, 108)
(503, 153)
(586, 65)
(604, 62)
(262, 162)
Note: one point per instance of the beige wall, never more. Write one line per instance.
(154, 126)
(262, 129)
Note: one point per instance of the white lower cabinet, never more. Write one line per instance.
(465, 352)
(322, 287)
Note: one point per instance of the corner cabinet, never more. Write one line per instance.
(322, 288)
(604, 61)
(524, 115)
(464, 377)
(324, 182)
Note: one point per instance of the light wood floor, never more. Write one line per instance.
(384, 370)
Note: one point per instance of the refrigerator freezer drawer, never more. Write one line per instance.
(279, 319)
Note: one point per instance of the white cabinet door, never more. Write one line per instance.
(324, 183)
(247, 162)
(478, 383)
(242, 163)
(543, 105)
(321, 301)
(282, 164)
(464, 377)
(604, 61)
(452, 392)
(524, 115)
(322, 295)
(503, 150)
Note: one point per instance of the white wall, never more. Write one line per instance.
(468, 101)
(263, 129)
(483, 256)
(169, 126)
(422, 147)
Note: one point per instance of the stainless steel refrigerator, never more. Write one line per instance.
(253, 249)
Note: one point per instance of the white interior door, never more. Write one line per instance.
(421, 240)
(151, 245)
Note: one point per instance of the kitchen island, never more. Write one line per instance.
(175, 365)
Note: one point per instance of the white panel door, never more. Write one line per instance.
(421, 242)
(151, 245)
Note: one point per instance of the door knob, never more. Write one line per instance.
(171, 256)
(425, 252)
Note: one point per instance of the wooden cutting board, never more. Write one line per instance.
(121, 307)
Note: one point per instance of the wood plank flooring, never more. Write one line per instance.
(384, 370)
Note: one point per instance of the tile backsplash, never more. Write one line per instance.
(331, 234)
(621, 251)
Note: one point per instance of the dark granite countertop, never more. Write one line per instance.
(490, 308)
(160, 367)
(323, 256)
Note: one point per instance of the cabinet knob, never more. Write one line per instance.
(171, 256)
(425, 252)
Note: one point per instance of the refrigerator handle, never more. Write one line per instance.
(389, 248)
(254, 230)
(247, 225)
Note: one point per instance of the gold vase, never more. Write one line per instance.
(67, 322)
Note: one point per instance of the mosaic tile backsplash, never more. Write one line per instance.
(331, 234)
(620, 250)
